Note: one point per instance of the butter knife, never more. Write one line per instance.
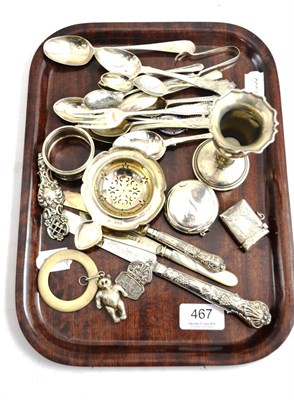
(210, 261)
(133, 239)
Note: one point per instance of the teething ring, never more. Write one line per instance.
(43, 281)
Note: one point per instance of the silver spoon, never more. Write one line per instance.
(128, 64)
(150, 123)
(142, 101)
(75, 50)
(151, 143)
(116, 81)
(119, 82)
(155, 87)
(67, 107)
(103, 98)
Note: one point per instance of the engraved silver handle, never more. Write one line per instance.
(188, 100)
(202, 108)
(152, 123)
(254, 313)
(210, 261)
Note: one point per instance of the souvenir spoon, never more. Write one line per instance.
(75, 50)
(96, 99)
(124, 62)
(155, 87)
(142, 101)
(103, 98)
(147, 123)
(128, 64)
(134, 100)
(151, 143)
(120, 82)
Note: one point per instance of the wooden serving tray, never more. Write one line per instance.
(151, 335)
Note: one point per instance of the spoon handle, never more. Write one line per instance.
(189, 100)
(175, 85)
(188, 123)
(173, 141)
(186, 110)
(175, 46)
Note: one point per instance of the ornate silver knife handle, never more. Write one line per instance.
(210, 261)
(254, 313)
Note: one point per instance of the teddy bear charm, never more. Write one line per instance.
(109, 296)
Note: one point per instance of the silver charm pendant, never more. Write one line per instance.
(133, 280)
(245, 225)
(51, 199)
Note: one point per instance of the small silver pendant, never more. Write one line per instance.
(133, 280)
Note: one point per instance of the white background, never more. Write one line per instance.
(24, 373)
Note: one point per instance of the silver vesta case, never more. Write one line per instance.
(245, 225)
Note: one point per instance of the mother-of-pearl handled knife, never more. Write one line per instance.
(133, 239)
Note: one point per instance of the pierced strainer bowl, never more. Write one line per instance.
(123, 189)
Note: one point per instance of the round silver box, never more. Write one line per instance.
(191, 207)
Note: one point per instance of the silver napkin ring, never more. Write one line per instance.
(245, 224)
(64, 133)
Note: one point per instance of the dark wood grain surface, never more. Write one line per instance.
(151, 335)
